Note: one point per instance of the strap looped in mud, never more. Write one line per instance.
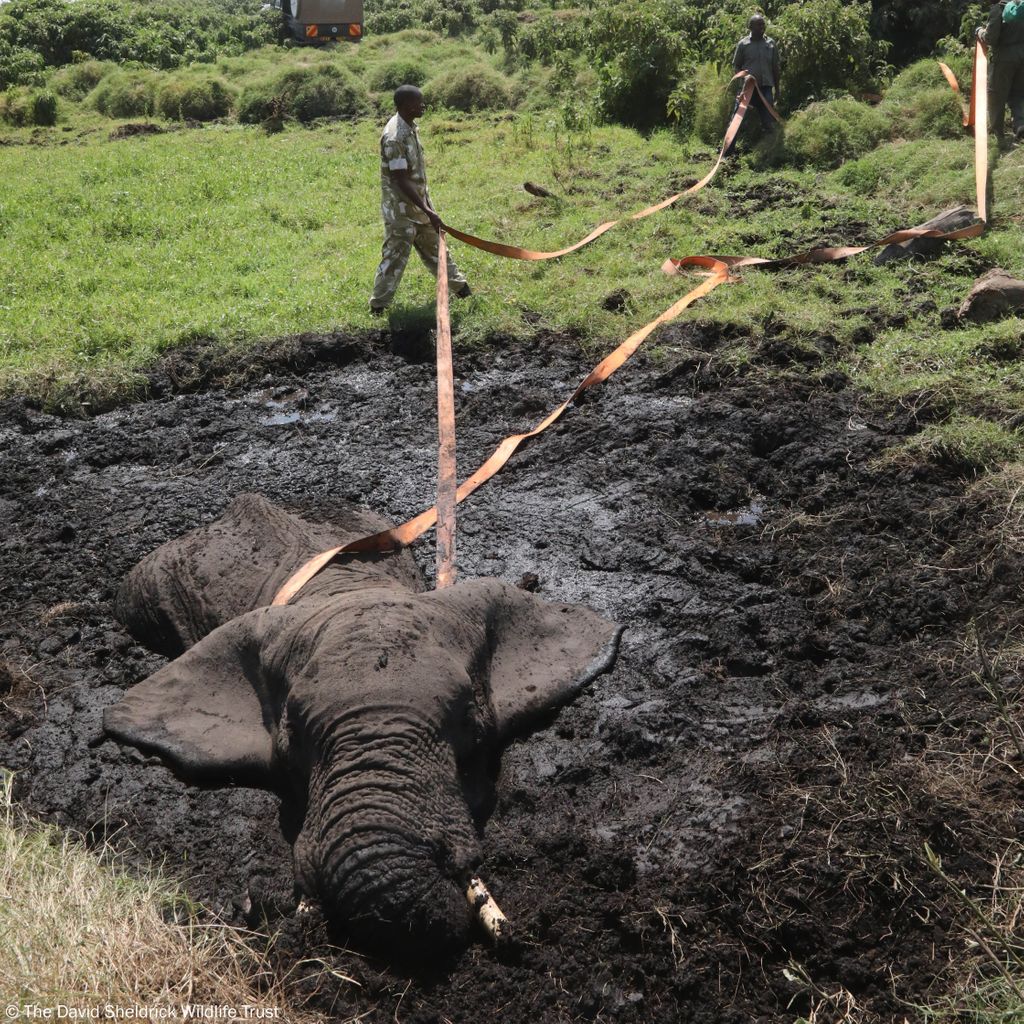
(719, 269)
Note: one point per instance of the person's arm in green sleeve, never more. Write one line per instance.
(989, 35)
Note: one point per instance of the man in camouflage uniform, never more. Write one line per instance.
(1005, 39)
(409, 216)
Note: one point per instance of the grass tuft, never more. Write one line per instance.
(79, 930)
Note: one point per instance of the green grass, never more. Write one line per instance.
(113, 252)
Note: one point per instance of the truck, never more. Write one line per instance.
(317, 22)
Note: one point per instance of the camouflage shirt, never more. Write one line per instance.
(760, 58)
(400, 150)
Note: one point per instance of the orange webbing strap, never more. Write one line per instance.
(516, 252)
(976, 117)
(720, 268)
(401, 536)
(446, 476)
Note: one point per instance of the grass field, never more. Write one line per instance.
(114, 251)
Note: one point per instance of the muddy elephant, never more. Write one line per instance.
(378, 709)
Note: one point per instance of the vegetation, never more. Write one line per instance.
(23, 106)
(477, 88)
(115, 252)
(304, 93)
(829, 133)
(157, 949)
(194, 98)
(125, 94)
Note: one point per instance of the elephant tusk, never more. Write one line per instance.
(494, 921)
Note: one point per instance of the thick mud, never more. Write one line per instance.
(713, 832)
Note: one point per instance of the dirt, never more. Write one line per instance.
(729, 827)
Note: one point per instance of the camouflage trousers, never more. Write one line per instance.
(1006, 85)
(400, 236)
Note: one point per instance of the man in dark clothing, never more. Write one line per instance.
(1005, 40)
(758, 55)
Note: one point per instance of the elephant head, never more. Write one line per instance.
(380, 710)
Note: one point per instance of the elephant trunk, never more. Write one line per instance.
(389, 837)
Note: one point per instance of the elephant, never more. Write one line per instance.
(376, 709)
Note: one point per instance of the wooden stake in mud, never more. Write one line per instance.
(495, 923)
(446, 480)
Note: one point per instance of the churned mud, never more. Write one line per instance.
(727, 827)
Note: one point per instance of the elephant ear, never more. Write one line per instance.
(541, 654)
(210, 714)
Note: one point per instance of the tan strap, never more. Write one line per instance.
(719, 270)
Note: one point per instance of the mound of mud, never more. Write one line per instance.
(704, 816)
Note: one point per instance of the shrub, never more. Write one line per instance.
(391, 75)
(449, 17)
(475, 88)
(304, 93)
(193, 98)
(826, 134)
(825, 45)
(161, 33)
(19, 66)
(701, 103)
(637, 48)
(125, 94)
(24, 106)
(76, 81)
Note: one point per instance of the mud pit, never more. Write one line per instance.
(697, 819)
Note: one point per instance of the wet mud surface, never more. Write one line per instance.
(695, 824)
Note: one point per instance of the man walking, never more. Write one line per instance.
(757, 55)
(409, 216)
(1004, 36)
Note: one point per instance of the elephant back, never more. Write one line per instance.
(195, 583)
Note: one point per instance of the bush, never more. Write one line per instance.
(20, 66)
(125, 94)
(826, 134)
(76, 81)
(391, 75)
(448, 17)
(304, 93)
(160, 33)
(24, 106)
(637, 48)
(192, 98)
(825, 46)
(476, 88)
(701, 103)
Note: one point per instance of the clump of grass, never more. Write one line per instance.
(74, 925)
(125, 94)
(389, 76)
(1001, 495)
(76, 81)
(304, 93)
(194, 98)
(921, 104)
(966, 443)
(829, 133)
(21, 107)
(475, 88)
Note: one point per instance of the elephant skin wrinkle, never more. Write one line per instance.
(378, 708)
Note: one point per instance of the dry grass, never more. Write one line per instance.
(1003, 493)
(81, 932)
